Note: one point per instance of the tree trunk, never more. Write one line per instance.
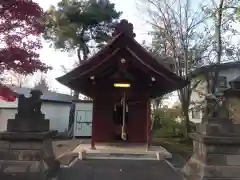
(75, 94)
(219, 15)
(186, 121)
(218, 31)
(79, 55)
(73, 106)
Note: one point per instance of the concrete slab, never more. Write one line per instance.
(119, 170)
(122, 151)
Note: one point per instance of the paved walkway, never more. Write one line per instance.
(121, 166)
(119, 170)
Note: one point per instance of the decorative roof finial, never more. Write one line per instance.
(124, 27)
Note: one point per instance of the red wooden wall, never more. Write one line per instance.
(104, 129)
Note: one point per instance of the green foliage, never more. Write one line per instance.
(165, 123)
(238, 13)
(177, 146)
(75, 24)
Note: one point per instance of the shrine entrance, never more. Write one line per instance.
(120, 118)
(124, 117)
(121, 79)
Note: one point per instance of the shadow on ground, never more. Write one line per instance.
(119, 170)
(177, 161)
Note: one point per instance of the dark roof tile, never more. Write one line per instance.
(47, 95)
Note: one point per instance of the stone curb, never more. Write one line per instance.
(83, 155)
(71, 163)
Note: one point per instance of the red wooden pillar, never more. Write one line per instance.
(148, 123)
(93, 124)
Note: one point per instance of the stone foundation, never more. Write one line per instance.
(25, 125)
(29, 153)
(216, 152)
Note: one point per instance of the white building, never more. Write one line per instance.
(56, 108)
(83, 118)
(227, 73)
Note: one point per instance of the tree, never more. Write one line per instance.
(80, 25)
(166, 122)
(157, 102)
(223, 15)
(175, 35)
(42, 84)
(65, 70)
(20, 27)
(192, 37)
(238, 12)
(18, 79)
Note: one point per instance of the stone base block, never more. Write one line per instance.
(22, 166)
(197, 170)
(35, 117)
(22, 176)
(15, 125)
(216, 129)
(214, 158)
(27, 153)
(25, 169)
(193, 170)
(26, 136)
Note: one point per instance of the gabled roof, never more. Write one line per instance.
(212, 67)
(133, 47)
(236, 80)
(47, 95)
(142, 59)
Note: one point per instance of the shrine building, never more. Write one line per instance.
(121, 79)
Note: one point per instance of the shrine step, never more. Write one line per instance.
(127, 156)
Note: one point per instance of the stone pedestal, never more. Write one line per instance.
(14, 125)
(31, 123)
(26, 147)
(216, 151)
(27, 154)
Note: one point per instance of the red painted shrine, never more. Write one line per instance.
(121, 79)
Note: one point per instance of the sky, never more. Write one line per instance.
(56, 58)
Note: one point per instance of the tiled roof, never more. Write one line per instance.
(47, 95)
(213, 67)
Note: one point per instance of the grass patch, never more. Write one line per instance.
(175, 145)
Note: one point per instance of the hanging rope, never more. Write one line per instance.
(124, 134)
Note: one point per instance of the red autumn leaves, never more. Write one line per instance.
(7, 94)
(20, 30)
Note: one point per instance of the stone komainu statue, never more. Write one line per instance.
(215, 107)
(31, 105)
(211, 106)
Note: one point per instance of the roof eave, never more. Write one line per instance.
(205, 69)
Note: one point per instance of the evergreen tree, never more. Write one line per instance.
(80, 25)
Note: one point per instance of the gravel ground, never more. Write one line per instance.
(119, 170)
